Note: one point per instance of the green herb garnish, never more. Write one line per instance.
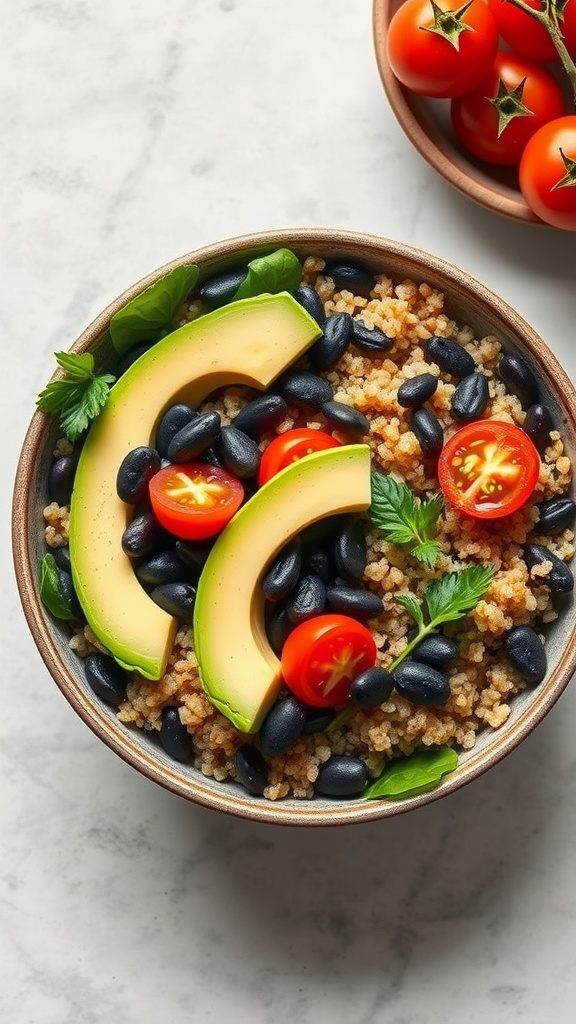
(51, 593)
(408, 776)
(279, 272)
(78, 396)
(148, 317)
(404, 518)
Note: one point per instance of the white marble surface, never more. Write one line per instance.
(134, 132)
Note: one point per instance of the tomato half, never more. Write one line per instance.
(525, 35)
(323, 655)
(547, 173)
(291, 446)
(488, 469)
(194, 500)
(428, 63)
(495, 120)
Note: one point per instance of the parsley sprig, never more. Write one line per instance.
(78, 396)
(404, 518)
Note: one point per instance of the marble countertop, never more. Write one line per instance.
(134, 132)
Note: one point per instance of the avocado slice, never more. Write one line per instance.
(239, 671)
(246, 342)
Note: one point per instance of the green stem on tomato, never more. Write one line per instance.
(547, 18)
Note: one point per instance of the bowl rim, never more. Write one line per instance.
(119, 737)
(407, 107)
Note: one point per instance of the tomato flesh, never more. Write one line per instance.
(488, 469)
(323, 655)
(194, 500)
(290, 447)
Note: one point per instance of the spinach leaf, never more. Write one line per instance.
(408, 776)
(279, 272)
(50, 591)
(149, 316)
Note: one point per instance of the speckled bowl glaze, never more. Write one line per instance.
(467, 301)
(427, 125)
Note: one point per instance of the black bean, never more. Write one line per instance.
(69, 594)
(428, 430)
(221, 288)
(349, 550)
(239, 453)
(331, 345)
(308, 297)
(61, 478)
(537, 424)
(526, 652)
(308, 600)
(417, 390)
(341, 775)
(519, 378)
(194, 438)
(136, 470)
(176, 598)
(251, 769)
(372, 687)
(174, 736)
(132, 355)
(163, 567)
(470, 397)
(281, 577)
(346, 418)
(62, 558)
(319, 563)
(261, 414)
(211, 458)
(421, 683)
(449, 356)
(283, 725)
(370, 339)
(305, 388)
(142, 535)
(193, 553)
(351, 277)
(359, 604)
(436, 650)
(176, 417)
(278, 627)
(106, 677)
(555, 515)
(559, 579)
(318, 719)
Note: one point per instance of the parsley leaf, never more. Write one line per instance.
(404, 518)
(78, 396)
(408, 776)
(457, 593)
(412, 605)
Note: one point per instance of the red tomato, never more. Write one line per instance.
(291, 446)
(428, 63)
(547, 173)
(488, 469)
(323, 655)
(476, 118)
(525, 35)
(194, 500)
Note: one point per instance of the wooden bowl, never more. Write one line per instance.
(427, 124)
(467, 301)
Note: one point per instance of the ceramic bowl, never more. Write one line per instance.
(427, 125)
(467, 301)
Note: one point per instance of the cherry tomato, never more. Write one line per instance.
(495, 126)
(428, 63)
(488, 469)
(323, 655)
(291, 446)
(194, 500)
(547, 173)
(525, 35)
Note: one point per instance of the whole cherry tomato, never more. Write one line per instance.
(547, 173)
(323, 655)
(442, 52)
(289, 447)
(488, 469)
(527, 36)
(194, 500)
(495, 120)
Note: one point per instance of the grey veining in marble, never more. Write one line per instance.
(134, 132)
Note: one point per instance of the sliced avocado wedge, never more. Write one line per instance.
(247, 342)
(239, 671)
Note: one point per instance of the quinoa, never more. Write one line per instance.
(482, 682)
